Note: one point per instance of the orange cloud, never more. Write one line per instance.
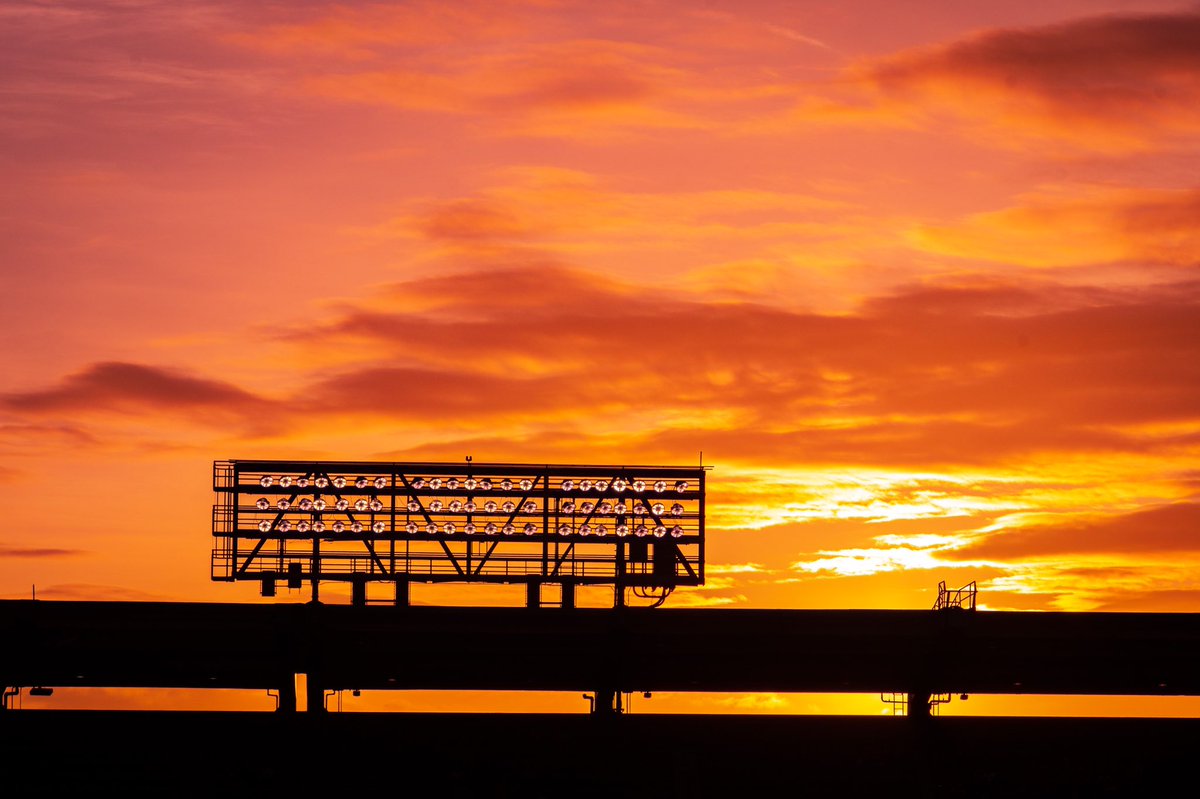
(1115, 82)
(1136, 226)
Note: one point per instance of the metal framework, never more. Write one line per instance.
(631, 527)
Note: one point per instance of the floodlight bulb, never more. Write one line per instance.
(526, 484)
(378, 527)
(508, 507)
(660, 486)
(638, 510)
(567, 507)
(318, 527)
(677, 532)
(303, 527)
(419, 483)
(639, 486)
(585, 485)
(448, 528)
(470, 484)
(431, 528)
(360, 483)
(410, 527)
(469, 528)
(283, 504)
(356, 527)
(262, 503)
(676, 509)
(622, 509)
(285, 481)
(435, 483)
(490, 506)
(506, 484)
(640, 531)
(285, 526)
(660, 531)
(452, 484)
(319, 504)
(568, 485)
(301, 482)
(586, 507)
(435, 505)
(681, 486)
(470, 507)
(264, 526)
(455, 505)
(306, 504)
(322, 482)
(490, 528)
(601, 485)
(342, 504)
(530, 507)
(339, 526)
(620, 484)
(339, 482)
(413, 506)
(601, 530)
(564, 529)
(376, 505)
(622, 530)
(485, 485)
(360, 505)
(265, 481)
(381, 482)
(530, 529)
(605, 508)
(657, 509)
(585, 529)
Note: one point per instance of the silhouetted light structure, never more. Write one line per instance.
(458, 522)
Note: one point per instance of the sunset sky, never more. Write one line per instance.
(918, 279)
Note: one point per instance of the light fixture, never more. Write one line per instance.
(490, 528)
(431, 528)
(419, 483)
(660, 486)
(508, 507)
(567, 507)
(455, 505)
(601, 485)
(681, 486)
(306, 504)
(448, 528)
(506, 484)
(378, 527)
(620, 484)
(640, 531)
(622, 509)
(435, 483)
(469, 528)
(303, 527)
(606, 508)
(319, 504)
(639, 486)
(622, 530)
(530, 529)
(452, 484)
(285, 481)
(601, 530)
(262, 503)
(339, 482)
(283, 504)
(360, 505)
(490, 506)
(376, 505)
(413, 506)
(301, 482)
(585, 485)
(410, 527)
(469, 507)
(676, 509)
(264, 527)
(659, 531)
(568, 485)
(586, 507)
(342, 504)
(339, 526)
(677, 532)
(485, 485)
(470, 484)
(322, 482)
(585, 529)
(356, 526)
(360, 483)
(318, 526)
(657, 509)
(638, 510)
(265, 481)
(564, 529)
(435, 505)
(381, 482)
(530, 507)
(526, 484)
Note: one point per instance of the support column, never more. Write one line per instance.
(533, 594)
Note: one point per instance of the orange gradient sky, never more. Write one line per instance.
(918, 279)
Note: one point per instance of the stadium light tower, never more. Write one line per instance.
(635, 528)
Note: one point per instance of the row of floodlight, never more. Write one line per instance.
(470, 506)
(618, 484)
(491, 528)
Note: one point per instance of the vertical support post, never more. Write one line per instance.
(568, 594)
(918, 705)
(314, 694)
(358, 591)
(618, 596)
(533, 594)
(402, 595)
(287, 695)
